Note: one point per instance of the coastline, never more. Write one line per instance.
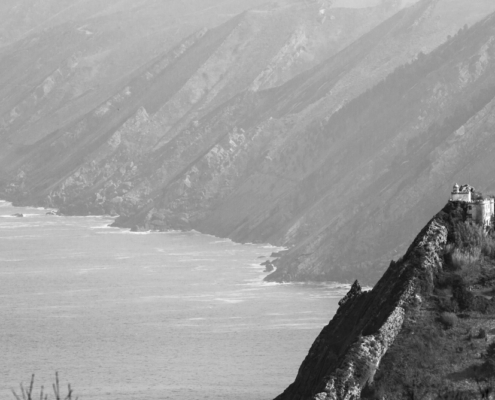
(109, 289)
(272, 259)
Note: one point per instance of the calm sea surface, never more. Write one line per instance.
(127, 315)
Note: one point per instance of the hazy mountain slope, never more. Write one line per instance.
(393, 171)
(81, 53)
(263, 48)
(19, 18)
(319, 192)
(249, 130)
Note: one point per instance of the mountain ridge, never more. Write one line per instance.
(246, 149)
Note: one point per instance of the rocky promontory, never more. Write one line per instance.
(416, 334)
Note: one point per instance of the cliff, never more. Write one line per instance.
(416, 334)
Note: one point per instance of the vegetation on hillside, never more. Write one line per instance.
(445, 348)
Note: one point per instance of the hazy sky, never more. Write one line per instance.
(363, 3)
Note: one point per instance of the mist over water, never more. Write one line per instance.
(147, 316)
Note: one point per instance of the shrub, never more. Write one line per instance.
(468, 235)
(488, 367)
(464, 259)
(463, 297)
(488, 247)
(448, 319)
(27, 393)
(490, 351)
(472, 238)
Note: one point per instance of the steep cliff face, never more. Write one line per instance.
(286, 124)
(370, 343)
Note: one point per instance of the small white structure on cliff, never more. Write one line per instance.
(462, 193)
(480, 210)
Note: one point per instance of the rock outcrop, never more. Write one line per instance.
(348, 355)
(268, 266)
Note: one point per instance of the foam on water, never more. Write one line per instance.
(125, 232)
(105, 226)
(222, 241)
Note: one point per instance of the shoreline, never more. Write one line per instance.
(111, 219)
(163, 298)
(276, 249)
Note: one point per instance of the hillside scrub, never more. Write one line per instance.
(448, 319)
(444, 349)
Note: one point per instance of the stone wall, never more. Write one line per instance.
(481, 212)
(461, 196)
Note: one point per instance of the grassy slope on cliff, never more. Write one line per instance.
(444, 344)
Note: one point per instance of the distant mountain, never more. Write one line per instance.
(73, 55)
(330, 130)
(135, 19)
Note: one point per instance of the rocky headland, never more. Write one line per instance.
(425, 330)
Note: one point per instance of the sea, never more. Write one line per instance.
(122, 315)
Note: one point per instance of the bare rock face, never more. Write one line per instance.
(355, 291)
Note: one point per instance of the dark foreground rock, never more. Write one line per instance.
(269, 267)
(414, 333)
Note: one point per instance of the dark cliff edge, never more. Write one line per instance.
(416, 334)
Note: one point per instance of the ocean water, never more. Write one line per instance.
(124, 315)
